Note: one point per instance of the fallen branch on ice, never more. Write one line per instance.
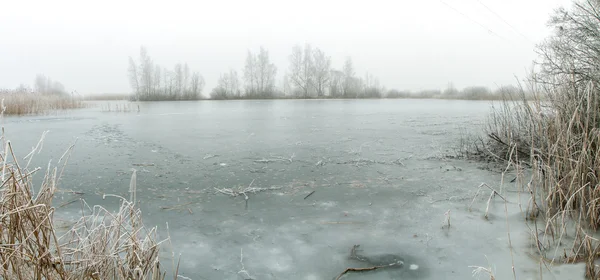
(361, 269)
(244, 191)
(276, 158)
(243, 270)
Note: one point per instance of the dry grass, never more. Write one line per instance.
(559, 138)
(101, 245)
(25, 103)
(557, 135)
(120, 107)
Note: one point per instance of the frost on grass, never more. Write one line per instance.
(101, 245)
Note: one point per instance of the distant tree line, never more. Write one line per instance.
(45, 85)
(151, 82)
(310, 74)
(41, 85)
(468, 93)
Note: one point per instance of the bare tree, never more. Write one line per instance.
(298, 80)
(371, 88)
(186, 80)
(41, 85)
(286, 87)
(146, 75)
(349, 79)
(571, 55)
(476, 92)
(133, 77)
(169, 81)
(301, 69)
(57, 88)
(178, 80)
(153, 82)
(250, 74)
(321, 69)
(227, 86)
(259, 74)
(351, 83)
(157, 79)
(336, 84)
(196, 86)
(234, 84)
(45, 85)
(266, 73)
(450, 91)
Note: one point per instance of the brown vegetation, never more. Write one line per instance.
(120, 107)
(558, 135)
(101, 245)
(27, 103)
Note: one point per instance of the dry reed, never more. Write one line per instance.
(101, 245)
(559, 138)
(25, 103)
(557, 135)
(120, 107)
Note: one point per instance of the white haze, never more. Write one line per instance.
(408, 45)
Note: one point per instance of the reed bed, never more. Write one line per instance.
(101, 244)
(557, 138)
(26, 103)
(559, 141)
(553, 145)
(556, 135)
(120, 107)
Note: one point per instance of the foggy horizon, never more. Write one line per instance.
(416, 46)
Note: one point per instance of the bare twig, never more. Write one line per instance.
(492, 194)
(355, 256)
(209, 156)
(309, 194)
(276, 158)
(361, 269)
(478, 270)
(447, 219)
(243, 269)
(244, 191)
(142, 164)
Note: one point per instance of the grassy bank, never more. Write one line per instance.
(26, 103)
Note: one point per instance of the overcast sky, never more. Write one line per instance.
(409, 45)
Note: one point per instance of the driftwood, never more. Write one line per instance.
(142, 164)
(353, 255)
(309, 194)
(361, 269)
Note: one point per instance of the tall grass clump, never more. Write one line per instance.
(101, 245)
(120, 107)
(32, 103)
(557, 134)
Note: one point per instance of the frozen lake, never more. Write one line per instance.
(378, 171)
